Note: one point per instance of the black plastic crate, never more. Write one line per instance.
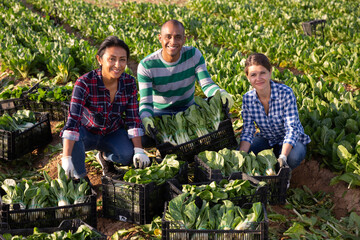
(12, 105)
(130, 202)
(259, 231)
(174, 188)
(66, 225)
(309, 27)
(14, 144)
(277, 184)
(48, 217)
(222, 138)
(135, 203)
(58, 111)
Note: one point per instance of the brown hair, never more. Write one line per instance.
(257, 59)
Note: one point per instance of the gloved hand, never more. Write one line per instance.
(226, 96)
(148, 122)
(282, 160)
(140, 159)
(68, 166)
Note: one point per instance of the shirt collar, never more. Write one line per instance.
(274, 90)
(101, 84)
(273, 95)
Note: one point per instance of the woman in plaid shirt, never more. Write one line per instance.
(272, 106)
(104, 115)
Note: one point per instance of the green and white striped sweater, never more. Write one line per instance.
(165, 85)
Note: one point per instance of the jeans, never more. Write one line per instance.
(148, 141)
(296, 156)
(117, 148)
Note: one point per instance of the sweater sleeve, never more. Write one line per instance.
(146, 91)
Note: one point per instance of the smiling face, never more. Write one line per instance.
(172, 38)
(113, 63)
(259, 77)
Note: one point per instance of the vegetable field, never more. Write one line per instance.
(51, 43)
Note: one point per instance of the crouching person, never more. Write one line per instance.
(272, 106)
(104, 115)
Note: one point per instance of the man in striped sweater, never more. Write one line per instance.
(167, 77)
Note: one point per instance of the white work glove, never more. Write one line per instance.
(140, 159)
(226, 96)
(148, 122)
(68, 166)
(282, 160)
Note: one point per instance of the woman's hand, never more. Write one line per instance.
(68, 166)
(140, 159)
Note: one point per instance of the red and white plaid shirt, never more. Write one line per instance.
(91, 107)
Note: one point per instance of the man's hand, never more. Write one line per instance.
(148, 122)
(226, 96)
(282, 160)
(140, 159)
(68, 166)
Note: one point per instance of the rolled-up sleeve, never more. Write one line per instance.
(78, 99)
(291, 121)
(248, 130)
(132, 119)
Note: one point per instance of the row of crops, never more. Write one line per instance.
(328, 111)
(225, 31)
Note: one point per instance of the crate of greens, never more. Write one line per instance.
(46, 203)
(22, 131)
(68, 229)
(212, 165)
(138, 195)
(187, 216)
(53, 99)
(58, 111)
(12, 105)
(39, 98)
(205, 125)
(239, 189)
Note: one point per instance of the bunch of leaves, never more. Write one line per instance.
(55, 93)
(196, 121)
(187, 211)
(225, 189)
(45, 193)
(230, 161)
(12, 91)
(212, 109)
(83, 232)
(157, 172)
(20, 120)
(150, 231)
(313, 218)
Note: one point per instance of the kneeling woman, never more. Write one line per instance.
(272, 106)
(104, 115)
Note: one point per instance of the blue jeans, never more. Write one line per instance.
(148, 141)
(116, 143)
(296, 156)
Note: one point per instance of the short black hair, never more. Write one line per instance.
(112, 41)
(176, 23)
